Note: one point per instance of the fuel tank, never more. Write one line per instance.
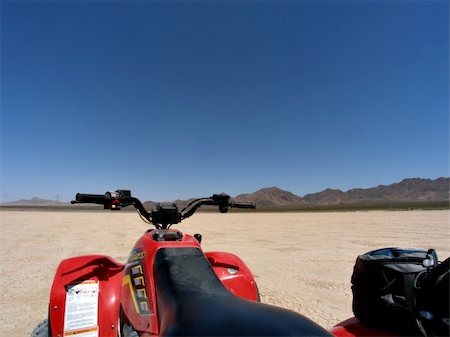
(138, 295)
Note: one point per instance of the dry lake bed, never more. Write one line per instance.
(301, 261)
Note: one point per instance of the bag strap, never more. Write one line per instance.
(421, 328)
(408, 286)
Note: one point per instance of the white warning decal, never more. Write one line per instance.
(81, 315)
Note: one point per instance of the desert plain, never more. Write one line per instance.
(301, 261)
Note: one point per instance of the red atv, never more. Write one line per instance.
(168, 286)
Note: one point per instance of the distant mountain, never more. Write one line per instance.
(35, 201)
(408, 190)
(327, 197)
(412, 189)
(271, 196)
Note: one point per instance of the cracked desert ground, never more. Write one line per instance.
(301, 261)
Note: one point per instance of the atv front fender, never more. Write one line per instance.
(354, 328)
(79, 283)
(234, 274)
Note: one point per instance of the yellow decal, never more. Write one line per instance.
(135, 281)
(127, 281)
(136, 256)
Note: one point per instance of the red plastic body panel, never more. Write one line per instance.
(128, 290)
(354, 328)
(78, 269)
(234, 274)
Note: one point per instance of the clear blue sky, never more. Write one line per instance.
(173, 99)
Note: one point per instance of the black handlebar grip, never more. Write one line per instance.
(247, 205)
(90, 198)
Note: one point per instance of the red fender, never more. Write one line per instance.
(97, 270)
(353, 328)
(234, 274)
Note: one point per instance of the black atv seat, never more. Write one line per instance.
(192, 301)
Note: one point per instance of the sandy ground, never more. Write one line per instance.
(301, 261)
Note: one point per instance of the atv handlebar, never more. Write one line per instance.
(162, 215)
(89, 198)
(246, 205)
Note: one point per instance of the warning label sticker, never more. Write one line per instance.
(81, 315)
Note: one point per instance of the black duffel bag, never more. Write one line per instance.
(383, 288)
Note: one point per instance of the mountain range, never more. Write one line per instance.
(408, 190)
(35, 201)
